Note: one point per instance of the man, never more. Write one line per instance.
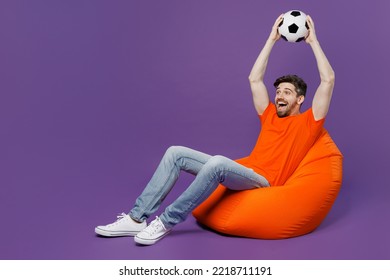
(285, 138)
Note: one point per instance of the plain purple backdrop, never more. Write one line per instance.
(94, 92)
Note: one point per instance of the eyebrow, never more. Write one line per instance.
(278, 88)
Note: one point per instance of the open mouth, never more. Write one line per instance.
(281, 104)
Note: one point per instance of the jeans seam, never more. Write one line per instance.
(201, 193)
(158, 194)
(190, 159)
(241, 175)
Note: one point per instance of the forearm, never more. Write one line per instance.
(323, 95)
(258, 69)
(256, 78)
(325, 70)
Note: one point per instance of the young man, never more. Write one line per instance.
(285, 137)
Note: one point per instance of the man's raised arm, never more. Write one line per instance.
(323, 95)
(256, 77)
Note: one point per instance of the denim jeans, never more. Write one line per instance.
(210, 171)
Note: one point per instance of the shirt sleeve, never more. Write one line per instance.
(268, 111)
(314, 126)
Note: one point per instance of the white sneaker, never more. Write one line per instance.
(123, 226)
(152, 233)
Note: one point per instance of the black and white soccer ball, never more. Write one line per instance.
(293, 27)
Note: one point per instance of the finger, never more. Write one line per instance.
(309, 21)
(279, 20)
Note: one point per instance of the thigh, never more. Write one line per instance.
(236, 176)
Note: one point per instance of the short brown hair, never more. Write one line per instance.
(299, 84)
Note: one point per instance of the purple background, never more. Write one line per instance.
(94, 92)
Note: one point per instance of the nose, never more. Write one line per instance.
(280, 96)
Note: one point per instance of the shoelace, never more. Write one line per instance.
(154, 226)
(120, 217)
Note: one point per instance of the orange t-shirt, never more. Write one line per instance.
(282, 144)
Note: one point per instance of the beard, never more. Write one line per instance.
(283, 111)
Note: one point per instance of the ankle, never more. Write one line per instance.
(135, 221)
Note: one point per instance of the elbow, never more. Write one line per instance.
(254, 80)
(251, 79)
(330, 78)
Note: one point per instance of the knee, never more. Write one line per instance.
(216, 162)
(215, 166)
(174, 151)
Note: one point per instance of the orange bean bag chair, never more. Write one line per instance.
(277, 212)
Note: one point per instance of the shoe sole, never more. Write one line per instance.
(115, 233)
(143, 241)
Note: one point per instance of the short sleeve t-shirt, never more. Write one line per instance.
(283, 143)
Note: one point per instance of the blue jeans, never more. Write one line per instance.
(210, 171)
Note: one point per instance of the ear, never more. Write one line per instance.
(301, 98)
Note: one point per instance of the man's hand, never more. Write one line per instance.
(275, 35)
(311, 37)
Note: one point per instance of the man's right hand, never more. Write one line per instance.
(275, 35)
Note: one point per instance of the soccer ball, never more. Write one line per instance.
(293, 27)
